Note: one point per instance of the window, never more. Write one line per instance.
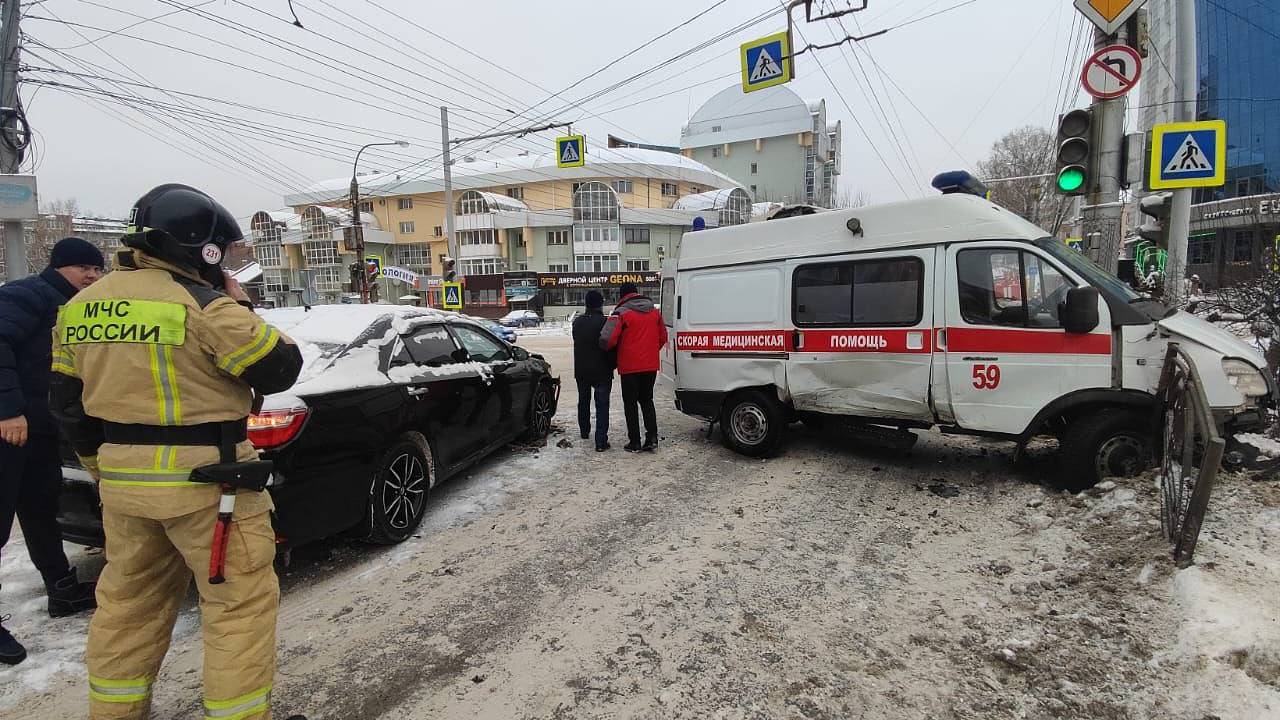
(482, 297)
(635, 235)
(575, 186)
(472, 203)
(595, 263)
(1200, 251)
(867, 293)
(755, 168)
(320, 252)
(669, 302)
(670, 189)
(522, 265)
(480, 345)
(595, 233)
(516, 193)
(476, 237)
(438, 231)
(694, 190)
(480, 266)
(638, 265)
(267, 254)
(405, 203)
(993, 285)
(1242, 248)
(416, 255)
(431, 346)
(406, 227)
(557, 237)
(558, 267)
(328, 279)
(753, 191)
(622, 187)
(595, 202)
(366, 206)
(715, 152)
(715, 128)
(274, 282)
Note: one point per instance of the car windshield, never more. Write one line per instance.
(1096, 276)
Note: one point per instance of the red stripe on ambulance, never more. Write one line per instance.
(1031, 342)
(769, 341)
(871, 341)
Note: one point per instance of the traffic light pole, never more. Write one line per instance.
(1102, 214)
(1180, 212)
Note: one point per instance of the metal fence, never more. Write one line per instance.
(1189, 453)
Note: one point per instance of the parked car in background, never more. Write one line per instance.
(521, 318)
(392, 400)
(502, 331)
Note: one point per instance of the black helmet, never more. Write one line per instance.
(180, 224)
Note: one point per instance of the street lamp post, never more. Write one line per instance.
(357, 230)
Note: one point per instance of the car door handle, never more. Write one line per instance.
(417, 391)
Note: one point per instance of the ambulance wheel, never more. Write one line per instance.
(752, 424)
(1107, 443)
(398, 494)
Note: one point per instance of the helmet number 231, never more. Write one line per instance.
(986, 377)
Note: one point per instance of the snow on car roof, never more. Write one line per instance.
(330, 325)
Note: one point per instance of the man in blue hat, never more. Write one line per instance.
(30, 463)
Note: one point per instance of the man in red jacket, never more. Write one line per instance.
(636, 331)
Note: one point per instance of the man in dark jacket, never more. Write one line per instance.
(636, 330)
(593, 369)
(30, 464)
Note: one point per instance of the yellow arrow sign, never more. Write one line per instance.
(1108, 15)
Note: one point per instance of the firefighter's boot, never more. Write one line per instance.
(68, 596)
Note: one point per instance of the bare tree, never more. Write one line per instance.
(1021, 153)
(852, 199)
(1251, 303)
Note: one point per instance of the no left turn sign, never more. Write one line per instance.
(1112, 72)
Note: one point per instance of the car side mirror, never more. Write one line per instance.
(460, 355)
(519, 353)
(1079, 312)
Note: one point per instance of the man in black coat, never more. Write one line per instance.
(593, 369)
(30, 464)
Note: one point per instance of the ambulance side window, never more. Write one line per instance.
(1009, 287)
(866, 293)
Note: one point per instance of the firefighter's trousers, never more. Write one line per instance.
(150, 563)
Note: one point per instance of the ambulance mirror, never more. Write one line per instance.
(1079, 313)
(854, 225)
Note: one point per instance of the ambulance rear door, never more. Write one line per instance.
(863, 334)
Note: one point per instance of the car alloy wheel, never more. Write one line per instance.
(404, 487)
(541, 422)
(398, 493)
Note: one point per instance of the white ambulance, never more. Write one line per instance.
(948, 311)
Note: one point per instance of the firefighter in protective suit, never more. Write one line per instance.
(155, 370)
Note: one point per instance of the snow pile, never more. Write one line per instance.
(1266, 445)
(1228, 640)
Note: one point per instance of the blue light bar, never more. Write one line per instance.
(960, 181)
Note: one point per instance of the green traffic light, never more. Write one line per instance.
(1070, 179)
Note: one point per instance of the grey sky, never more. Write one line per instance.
(976, 71)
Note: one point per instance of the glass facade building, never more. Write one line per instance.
(1238, 52)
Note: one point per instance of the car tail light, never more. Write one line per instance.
(273, 428)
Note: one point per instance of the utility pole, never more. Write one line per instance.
(1101, 213)
(446, 142)
(1180, 211)
(450, 238)
(15, 245)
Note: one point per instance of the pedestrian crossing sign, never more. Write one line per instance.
(571, 151)
(452, 295)
(1188, 155)
(766, 62)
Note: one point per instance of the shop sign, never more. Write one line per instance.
(595, 280)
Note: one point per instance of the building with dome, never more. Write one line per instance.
(776, 145)
(530, 234)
